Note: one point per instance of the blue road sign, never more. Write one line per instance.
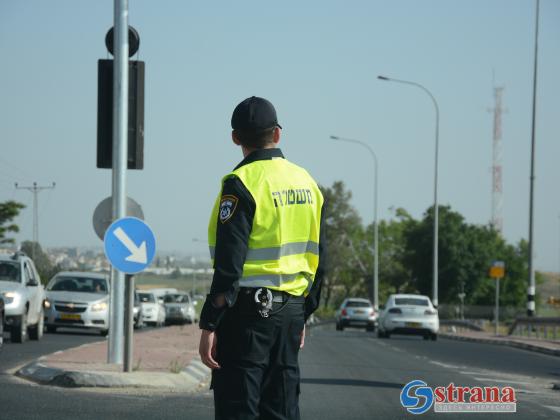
(130, 245)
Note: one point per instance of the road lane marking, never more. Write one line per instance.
(553, 408)
(503, 381)
(444, 365)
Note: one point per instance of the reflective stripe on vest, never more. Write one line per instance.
(283, 245)
(275, 253)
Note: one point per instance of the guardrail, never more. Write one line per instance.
(543, 328)
(460, 324)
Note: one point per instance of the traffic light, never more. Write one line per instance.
(135, 158)
(135, 114)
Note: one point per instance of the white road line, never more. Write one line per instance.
(444, 365)
(469, 373)
(502, 381)
(553, 408)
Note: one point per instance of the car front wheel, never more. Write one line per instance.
(36, 331)
(18, 333)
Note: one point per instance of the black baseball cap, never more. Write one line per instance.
(254, 114)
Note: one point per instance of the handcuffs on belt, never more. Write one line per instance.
(263, 299)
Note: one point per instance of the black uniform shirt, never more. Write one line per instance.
(232, 243)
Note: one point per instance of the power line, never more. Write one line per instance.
(35, 189)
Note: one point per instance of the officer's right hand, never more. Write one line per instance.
(207, 349)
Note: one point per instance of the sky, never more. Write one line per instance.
(317, 62)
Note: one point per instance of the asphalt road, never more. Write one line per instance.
(345, 375)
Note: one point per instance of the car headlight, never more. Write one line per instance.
(101, 306)
(9, 297)
(47, 304)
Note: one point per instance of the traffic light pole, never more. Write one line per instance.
(120, 153)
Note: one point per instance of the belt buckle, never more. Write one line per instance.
(263, 299)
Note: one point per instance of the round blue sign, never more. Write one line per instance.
(130, 245)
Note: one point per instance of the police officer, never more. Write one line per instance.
(268, 249)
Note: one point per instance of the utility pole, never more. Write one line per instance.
(531, 288)
(35, 189)
(497, 190)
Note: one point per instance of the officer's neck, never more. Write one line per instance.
(248, 150)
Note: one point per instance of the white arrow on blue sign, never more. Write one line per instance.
(130, 245)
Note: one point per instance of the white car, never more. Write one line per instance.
(23, 296)
(78, 300)
(408, 314)
(153, 311)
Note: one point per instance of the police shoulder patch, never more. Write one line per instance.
(228, 205)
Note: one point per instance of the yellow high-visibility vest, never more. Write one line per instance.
(283, 249)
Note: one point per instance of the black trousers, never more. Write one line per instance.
(259, 374)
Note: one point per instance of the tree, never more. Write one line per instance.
(466, 252)
(343, 229)
(8, 211)
(42, 262)
(394, 275)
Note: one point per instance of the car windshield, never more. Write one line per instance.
(78, 284)
(10, 271)
(176, 299)
(147, 298)
(357, 304)
(411, 301)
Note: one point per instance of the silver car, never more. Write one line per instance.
(409, 314)
(179, 308)
(78, 300)
(356, 312)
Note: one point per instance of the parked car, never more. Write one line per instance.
(409, 314)
(1, 322)
(153, 311)
(23, 296)
(179, 308)
(356, 312)
(160, 292)
(137, 312)
(78, 300)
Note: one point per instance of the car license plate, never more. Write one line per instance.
(71, 317)
(414, 324)
(359, 311)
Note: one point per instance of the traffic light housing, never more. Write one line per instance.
(135, 158)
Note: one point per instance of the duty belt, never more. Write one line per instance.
(277, 296)
(263, 298)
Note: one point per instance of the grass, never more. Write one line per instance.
(136, 367)
(175, 366)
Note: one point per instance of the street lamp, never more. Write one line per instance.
(375, 234)
(436, 210)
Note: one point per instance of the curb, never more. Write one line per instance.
(187, 380)
(510, 343)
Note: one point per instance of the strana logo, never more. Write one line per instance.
(417, 397)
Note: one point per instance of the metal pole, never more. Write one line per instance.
(531, 289)
(35, 217)
(193, 282)
(129, 322)
(375, 224)
(120, 143)
(497, 315)
(435, 285)
(35, 189)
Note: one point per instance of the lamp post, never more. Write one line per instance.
(436, 210)
(375, 233)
